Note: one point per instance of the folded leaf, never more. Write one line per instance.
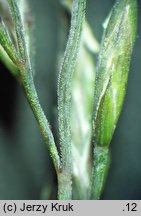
(113, 68)
(110, 85)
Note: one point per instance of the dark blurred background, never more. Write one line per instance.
(25, 165)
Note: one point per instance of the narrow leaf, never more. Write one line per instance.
(7, 45)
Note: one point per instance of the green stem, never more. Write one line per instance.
(65, 98)
(26, 78)
(31, 95)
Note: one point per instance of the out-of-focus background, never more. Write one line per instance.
(26, 170)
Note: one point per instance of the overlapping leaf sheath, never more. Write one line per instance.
(110, 85)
